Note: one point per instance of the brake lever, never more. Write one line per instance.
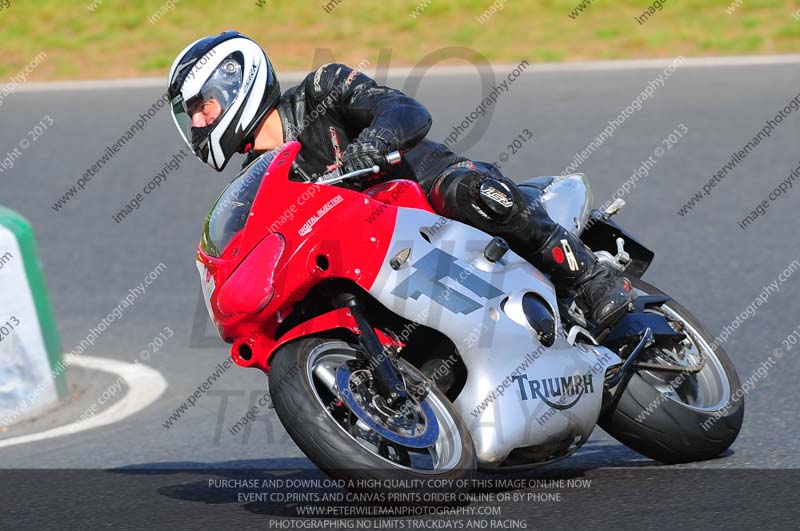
(392, 159)
(334, 176)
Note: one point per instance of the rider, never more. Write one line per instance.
(226, 100)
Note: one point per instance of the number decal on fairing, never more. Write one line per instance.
(427, 280)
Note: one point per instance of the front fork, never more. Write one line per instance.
(387, 380)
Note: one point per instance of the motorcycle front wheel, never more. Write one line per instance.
(679, 417)
(322, 394)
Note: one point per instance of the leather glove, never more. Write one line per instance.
(368, 149)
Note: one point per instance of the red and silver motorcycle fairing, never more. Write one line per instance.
(292, 272)
(275, 253)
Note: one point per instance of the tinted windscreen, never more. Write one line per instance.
(230, 211)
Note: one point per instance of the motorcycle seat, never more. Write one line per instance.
(540, 183)
(533, 188)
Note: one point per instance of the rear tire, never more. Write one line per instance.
(673, 432)
(325, 441)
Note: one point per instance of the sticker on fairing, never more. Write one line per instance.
(324, 209)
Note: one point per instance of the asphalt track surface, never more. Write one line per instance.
(704, 260)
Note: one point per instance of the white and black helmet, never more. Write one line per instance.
(235, 72)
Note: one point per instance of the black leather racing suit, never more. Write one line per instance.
(336, 106)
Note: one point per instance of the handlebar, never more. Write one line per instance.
(392, 159)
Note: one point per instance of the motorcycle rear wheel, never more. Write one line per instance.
(694, 418)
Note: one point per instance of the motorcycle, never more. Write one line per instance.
(401, 344)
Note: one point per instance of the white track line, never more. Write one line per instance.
(582, 66)
(145, 385)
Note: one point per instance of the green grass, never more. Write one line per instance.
(117, 40)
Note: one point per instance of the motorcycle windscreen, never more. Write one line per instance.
(230, 211)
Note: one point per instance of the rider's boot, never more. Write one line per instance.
(600, 289)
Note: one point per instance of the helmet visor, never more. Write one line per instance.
(198, 115)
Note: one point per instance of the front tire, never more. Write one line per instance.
(302, 399)
(679, 421)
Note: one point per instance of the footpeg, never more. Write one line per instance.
(614, 207)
